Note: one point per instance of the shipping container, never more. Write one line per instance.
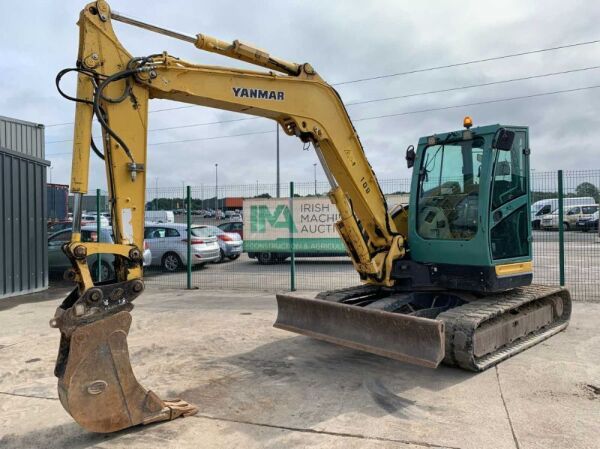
(58, 195)
(232, 203)
(23, 208)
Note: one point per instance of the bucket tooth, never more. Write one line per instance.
(97, 385)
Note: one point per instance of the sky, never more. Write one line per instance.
(342, 40)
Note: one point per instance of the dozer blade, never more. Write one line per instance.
(96, 383)
(407, 338)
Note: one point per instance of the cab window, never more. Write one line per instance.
(448, 195)
(510, 180)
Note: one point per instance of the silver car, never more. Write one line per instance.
(230, 243)
(58, 262)
(168, 243)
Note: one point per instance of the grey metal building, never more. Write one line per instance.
(23, 208)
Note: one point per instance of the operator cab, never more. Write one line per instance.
(470, 208)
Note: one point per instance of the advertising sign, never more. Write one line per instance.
(268, 223)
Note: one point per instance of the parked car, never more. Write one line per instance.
(588, 223)
(230, 243)
(168, 243)
(233, 226)
(570, 217)
(55, 226)
(58, 261)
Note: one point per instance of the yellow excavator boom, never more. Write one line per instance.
(96, 382)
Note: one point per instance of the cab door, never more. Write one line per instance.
(510, 209)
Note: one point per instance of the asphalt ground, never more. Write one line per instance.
(582, 270)
(260, 387)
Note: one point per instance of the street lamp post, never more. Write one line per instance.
(216, 188)
(315, 167)
(183, 197)
(278, 188)
(156, 193)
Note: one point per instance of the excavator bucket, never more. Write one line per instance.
(411, 339)
(96, 384)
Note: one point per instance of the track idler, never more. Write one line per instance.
(96, 384)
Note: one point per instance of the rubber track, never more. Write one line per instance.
(342, 294)
(462, 322)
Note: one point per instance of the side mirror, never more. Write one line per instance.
(410, 156)
(504, 140)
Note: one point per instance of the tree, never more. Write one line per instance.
(587, 189)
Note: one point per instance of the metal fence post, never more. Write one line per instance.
(98, 256)
(561, 230)
(189, 236)
(292, 252)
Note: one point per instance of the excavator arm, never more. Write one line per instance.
(96, 383)
(299, 100)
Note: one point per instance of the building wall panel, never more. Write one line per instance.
(23, 208)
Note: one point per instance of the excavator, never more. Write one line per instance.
(446, 279)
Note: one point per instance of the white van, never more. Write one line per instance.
(572, 214)
(544, 207)
(160, 216)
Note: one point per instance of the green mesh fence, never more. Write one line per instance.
(263, 262)
(581, 238)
